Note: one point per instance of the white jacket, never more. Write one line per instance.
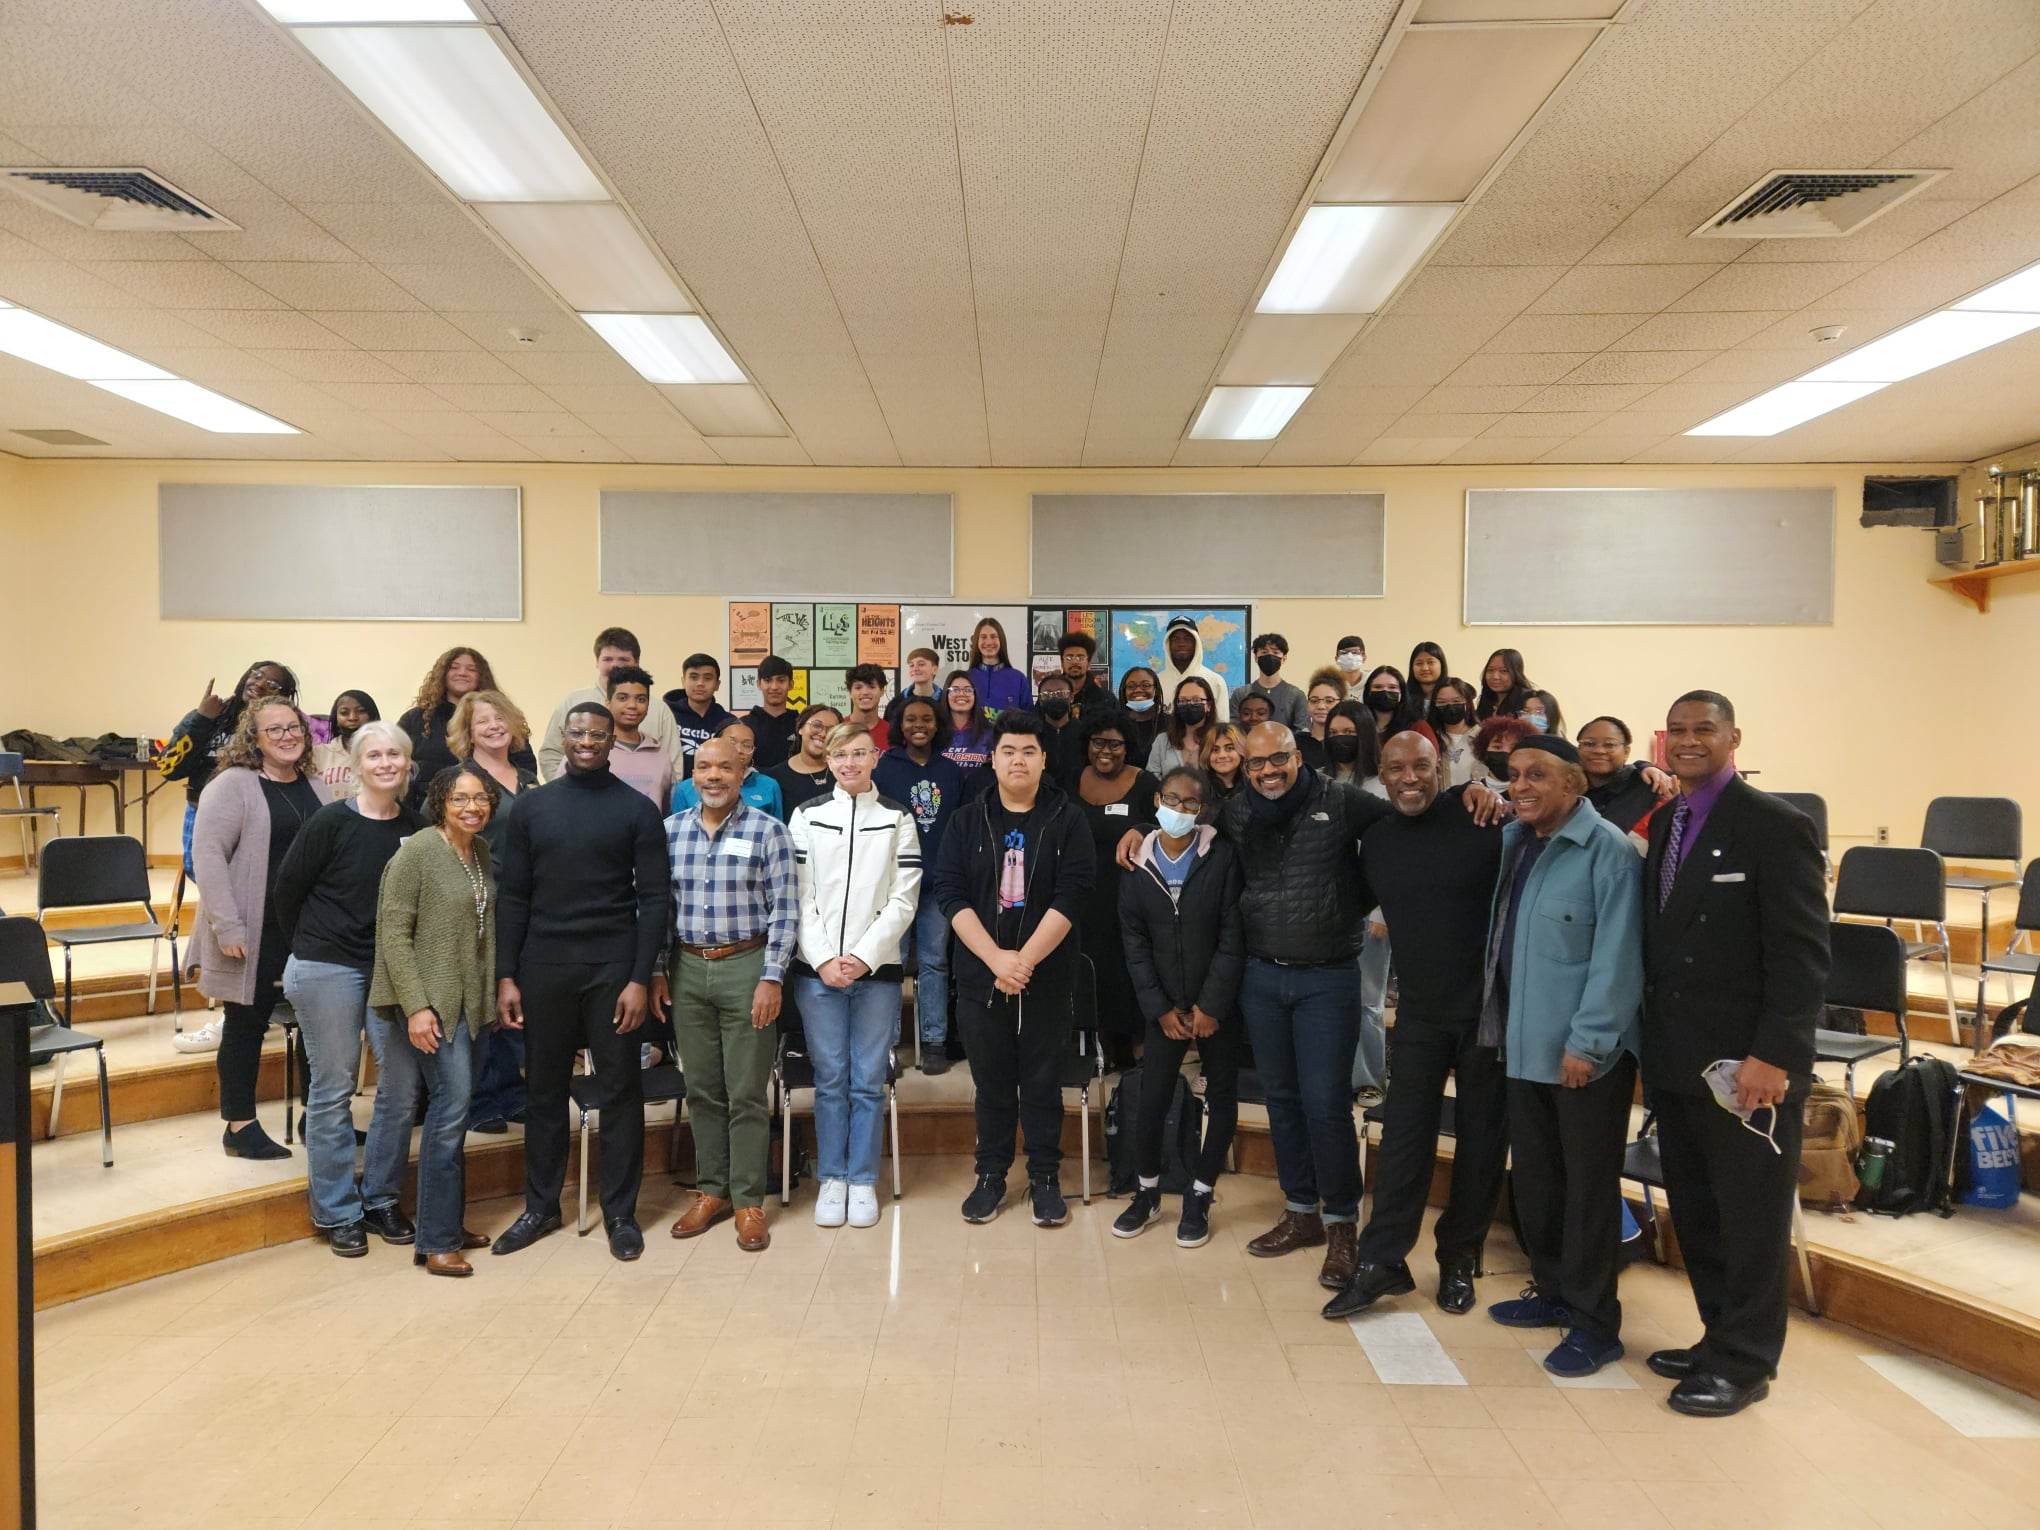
(860, 877)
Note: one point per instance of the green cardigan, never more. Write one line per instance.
(426, 954)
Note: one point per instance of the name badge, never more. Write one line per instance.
(1115, 810)
(737, 847)
(1730, 876)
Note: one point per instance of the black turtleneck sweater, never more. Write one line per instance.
(1434, 875)
(583, 877)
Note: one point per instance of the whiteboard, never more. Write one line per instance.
(1176, 549)
(684, 542)
(339, 552)
(1650, 557)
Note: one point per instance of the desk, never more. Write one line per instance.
(111, 774)
(17, 1265)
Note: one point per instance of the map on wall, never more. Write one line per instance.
(1137, 640)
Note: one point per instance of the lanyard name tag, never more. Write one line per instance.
(1115, 810)
(737, 847)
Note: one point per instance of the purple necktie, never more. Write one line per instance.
(1675, 845)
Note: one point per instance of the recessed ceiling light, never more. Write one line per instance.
(1922, 345)
(202, 407)
(1348, 259)
(1247, 414)
(356, 12)
(667, 347)
(457, 101)
(2017, 293)
(590, 253)
(1785, 406)
(50, 344)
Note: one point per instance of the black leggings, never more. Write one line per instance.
(1160, 1062)
(241, 1032)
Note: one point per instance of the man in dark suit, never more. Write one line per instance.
(1735, 967)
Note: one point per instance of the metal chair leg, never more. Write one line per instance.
(581, 1212)
(56, 1094)
(892, 1110)
(176, 985)
(785, 1146)
(105, 1115)
(1948, 982)
(1983, 976)
(155, 956)
(289, 1085)
(1805, 1264)
(1849, 1079)
(1084, 1114)
(67, 985)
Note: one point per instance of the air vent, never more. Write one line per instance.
(1814, 204)
(122, 199)
(60, 437)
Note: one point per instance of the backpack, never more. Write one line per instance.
(1827, 1154)
(1182, 1136)
(1913, 1107)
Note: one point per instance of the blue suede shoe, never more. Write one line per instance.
(1532, 1309)
(1579, 1353)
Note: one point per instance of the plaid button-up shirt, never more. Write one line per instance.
(735, 884)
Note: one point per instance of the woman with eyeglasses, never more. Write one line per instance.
(859, 860)
(1326, 690)
(1140, 705)
(258, 801)
(1114, 796)
(805, 773)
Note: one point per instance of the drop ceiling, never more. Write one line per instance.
(1030, 240)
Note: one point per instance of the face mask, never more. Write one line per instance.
(1141, 704)
(1190, 713)
(1342, 748)
(1538, 722)
(1267, 663)
(1497, 764)
(1351, 663)
(1053, 706)
(1720, 1077)
(1383, 701)
(1451, 714)
(1175, 822)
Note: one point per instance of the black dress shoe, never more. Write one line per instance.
(529, 1227)
(1674, 1364)
(349, 1242)
(494, 1127)
(1455, 1286)
(251, 1141)
(1704, 1395)
(626, 1242)
(1370, 1283)
(389, 1224)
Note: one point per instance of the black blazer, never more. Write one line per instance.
(1736, 965)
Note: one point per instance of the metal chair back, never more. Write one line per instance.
(2028, 915)
(1814, 806)
(93, 871)
(1974, 828)
(1866, 969)
(10, 766)
(25, 958)
(1892, 882)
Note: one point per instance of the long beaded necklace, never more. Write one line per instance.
(477, 883)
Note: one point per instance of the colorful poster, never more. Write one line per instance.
(878, 635)
(750, 631)
(827, 687)
(793, 633)
(835, 635)
(743, 688)
(797, 693)
(1090, 620)
(1137, 640)
(947, 630)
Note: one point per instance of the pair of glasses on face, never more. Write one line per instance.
(284, 731)
(468, 800)
(1277, 761)
(852, 757)
(1108, 746)
(588, 735)
(1182, 804)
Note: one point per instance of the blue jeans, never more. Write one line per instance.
(927, 939)
(849, 1031)
(442, 1157)
(190, 818)
(1370, 1058)
(1304, 1023)
(499, 1076)
(331, 1003)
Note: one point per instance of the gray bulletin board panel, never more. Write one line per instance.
(340, 552)
(1650, 557)
(678, 542)
(1247, 543)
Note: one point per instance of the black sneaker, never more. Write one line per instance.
(1193, 1228)
(1145, 1207)
(349, 1242)
(1050, 1209)
(983, 1203)
(495, 1126)
(389, 1224)
(934, 1061)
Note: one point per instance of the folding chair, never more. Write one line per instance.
(1814, 806)
(102, 871)
(25, 817)
(2019, 963)
(2025, 1015)
(662, 1085)
(1083, 1066)
(794, 1069)
(25, 959)
(1890, 882)
(1866, 970)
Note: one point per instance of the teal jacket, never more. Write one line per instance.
(758, 790)
(1578, 961)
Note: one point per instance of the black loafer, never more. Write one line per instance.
(349, 1242)
(529, 1227)
(494, 1127)
(1673, 1364)
(1455, 1287)
(389, 1224)
(1370, 1283)
(626, 1241)
(1704, 1395)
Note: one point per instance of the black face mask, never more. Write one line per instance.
(1190, 713)
(1267, 663)
(1498, 765)
(1342, 748)
(1053, 706)
(1383, 701)
(1451, 714)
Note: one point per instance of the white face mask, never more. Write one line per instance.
(1175, 822)
(1720, 1077)
(1351, 663)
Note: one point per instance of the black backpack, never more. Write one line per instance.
(1914, 1108)
(1182, 1136)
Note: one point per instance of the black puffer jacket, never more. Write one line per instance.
(1306, 899)
(1189, 949)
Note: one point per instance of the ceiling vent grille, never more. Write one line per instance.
(117, 199)
(60, 437)
(1814, 204)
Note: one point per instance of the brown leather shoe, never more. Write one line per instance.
(699, 1217)
(1342, 1255)
(1297, 1229)
(473, 1239)
(447, 1264)
(752, 1236)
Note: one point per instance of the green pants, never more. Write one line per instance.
(728, 1065)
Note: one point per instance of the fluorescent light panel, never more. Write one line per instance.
(202, 407)
(1922, 345)
(1348, 259)
(2017, 293)
(591, 254)
(724, 410)
(1289, 347)
(62, 349)
(1247, 414)
(357, 12)
(667, 347)
(1785, 406)
(456, 100)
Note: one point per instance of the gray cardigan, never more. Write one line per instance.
(427, 955)
(230, 863)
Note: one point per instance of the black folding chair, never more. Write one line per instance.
(2024, 922)
(102, 871)
(794, 1069)
(25, 816)
(662, 1085)
(25, 959)
(1814, 806)
(1866, 970)
(1891, 882)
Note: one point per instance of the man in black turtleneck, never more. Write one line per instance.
(581, 908)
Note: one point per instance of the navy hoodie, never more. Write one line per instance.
(931, 792)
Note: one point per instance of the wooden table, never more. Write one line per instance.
(85, 774)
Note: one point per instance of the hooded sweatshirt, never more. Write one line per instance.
(1172, 676)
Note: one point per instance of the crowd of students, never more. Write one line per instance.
(1219, 867)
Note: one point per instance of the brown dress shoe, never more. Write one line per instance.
(752, 1237)
(447, 1264)
(473, 1239)
(699, 1217)
(1297, 1229)
(1342, 1255)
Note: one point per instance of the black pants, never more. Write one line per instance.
(1732, 1205)
(242, 1027)
(1016, 1048)
(1425, 1054)
(1161, 1064)
(567, 1007)
(1568, 1157)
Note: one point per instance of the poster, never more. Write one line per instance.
(750, 632)
(947, 630)
(793, 633)
(878, 636)
(1042, 665)
(835, 636)
(1093, 621)
(1137, 640)
(743, 688)
(1046, 625)
(827, 687)
(797, 693)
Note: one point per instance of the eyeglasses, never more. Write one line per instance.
(1277, 761)
(588, 735)
(1182, 804)
(468, 799)
(282, 731)
(853, 756)
(1109, 745)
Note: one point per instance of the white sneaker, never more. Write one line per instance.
(205, 1039)
(829, 1204)
(863, 1206)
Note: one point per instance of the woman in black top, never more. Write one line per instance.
(1114, 796)
(1225, 765)
(1503, 685)
(806, 775)
(1625, 794)
(1140, 701)
(454, 674)
(1427, 668)
(1383, 696)
(325, 902)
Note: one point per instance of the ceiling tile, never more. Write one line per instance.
(1750, 286)
(1562, 332)
(1621, 289)
(1491, 371)
(1636, 366)
(1693, 331)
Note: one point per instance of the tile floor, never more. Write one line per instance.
(927, 1373)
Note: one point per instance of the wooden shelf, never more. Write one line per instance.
(1974, 586)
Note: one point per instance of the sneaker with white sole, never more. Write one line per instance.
(829, 1205)
(863, 1206)
(206, 1038)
